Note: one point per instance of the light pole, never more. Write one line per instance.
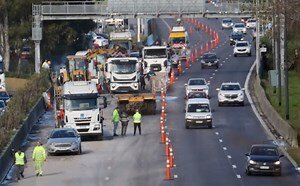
(286, 75)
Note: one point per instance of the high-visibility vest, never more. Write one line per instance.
(137, 117)
(20, 158)
(115, 116)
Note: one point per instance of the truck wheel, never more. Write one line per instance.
(79, 151)
(209, 126)
(99, 137)
(187, 127)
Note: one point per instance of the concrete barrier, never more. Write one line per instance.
(279, 124)
(6, 158)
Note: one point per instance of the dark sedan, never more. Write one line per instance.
(236, 36)
(209, 60)
(263, 158)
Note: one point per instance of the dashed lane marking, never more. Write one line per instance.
(238, 176)
(220, 140)
(226, 58)
(175, 176)
(211, 77)
(234, 166)
(224, 148)
(217, 133)
(214, 74)
(221, 64)
(228, 156)
(109, 167)
(107, 178)
(216, 70)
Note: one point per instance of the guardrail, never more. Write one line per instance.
(7, 158)
(279, 124)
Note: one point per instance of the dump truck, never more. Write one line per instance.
(121, 39)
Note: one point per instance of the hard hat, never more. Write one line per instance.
(49, 62)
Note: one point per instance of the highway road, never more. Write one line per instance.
(216, 157)
(202, 156)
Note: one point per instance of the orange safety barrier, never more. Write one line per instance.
(168, 169)
(162, 135)
(167, 150)
(171, 158)
(172, 78)
(206, 47)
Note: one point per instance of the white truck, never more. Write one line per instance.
(122, 39)
(122, 74)
(82, 108)
(155, 57)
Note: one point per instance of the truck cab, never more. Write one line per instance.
(82, 107)
(122, 74)
(155, 57)
(122, 39)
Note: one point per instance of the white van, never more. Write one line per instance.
(198, 113)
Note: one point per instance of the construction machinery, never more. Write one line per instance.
(179, 40)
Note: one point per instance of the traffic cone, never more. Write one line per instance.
(167, 150)
(206, 47)
(196, 53)
(201, 50)
(210, 32)
(49, 106)
(162, 135)
(179, 67)
(172, 78)
(187, 63)
(171, 158)
(168, 169)
(190, 30)
(162, 93)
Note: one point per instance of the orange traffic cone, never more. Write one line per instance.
(171, 157)
(196, 53)
(172, 78)
(168, 169)
(167, 150)
(162, 135)
(206, 47)
(187, 63)
(179, 67)
(49, 106)
(190, 30)
(201, 50)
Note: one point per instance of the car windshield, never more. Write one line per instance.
(242, 44)
(227, 21)
(196, 82)
(251, 21)
(3, 94)
(196, 107)
(155, 53)
(209, 56)
(239, 25)
(124, 67)
(81, 104)
(197, 95)
(264, 151)
(63, 134)
(230, 87)
(178, 40)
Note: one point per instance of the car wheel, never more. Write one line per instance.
(277, 173)
(79, 150)
(187, 127)
(209, 126)
(234, 55)
(202, 66)
(220, 104)
(242, 104)
(217, 66)
(248, 172)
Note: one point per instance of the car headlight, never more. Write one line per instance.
(74, 143)
(241, 94)
(252, 162)
(189, 117)
(277, 163)
(208, 116)
(221, 94)
(242, 39)
(231, 39)
(202, 61)
(52, 144)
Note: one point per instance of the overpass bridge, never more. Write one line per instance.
(81, 10)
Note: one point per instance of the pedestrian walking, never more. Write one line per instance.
(39, 157)
(124, 122)
(115, 120)
(137, 120)
(20, 161)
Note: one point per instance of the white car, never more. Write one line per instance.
(239, 27)
(251, 23)
(227, 23)
(198, 113)
(242, 48)
(196, 85)
(100, 41)
(230, 93)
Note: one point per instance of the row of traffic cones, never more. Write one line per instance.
(165, 138)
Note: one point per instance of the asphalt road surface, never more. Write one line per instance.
(203, 157)
(216, 157)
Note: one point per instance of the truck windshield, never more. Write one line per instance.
(196, 107)
(155, 53)
(124, 67)
(178, 40)
(77, 64)
(81, 104)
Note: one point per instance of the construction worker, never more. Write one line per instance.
(137, 120)
(39, 157)
(20, 161)
(124, 122)
(142, 81)
(115, 120)
(45, 65)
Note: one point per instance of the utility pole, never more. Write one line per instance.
(257, 39)
(286, 75)
(278, 54)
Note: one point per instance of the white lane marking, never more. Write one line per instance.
(234, 166)
(224, 148)
(217, 133)
(220, 140)
(214, 74)
(238, 176)
(176, 78)
(211, 77)
(221, 64)
(107, 178)
(183, 71)
(216, 70)
(175, 176)
(228, 156)
(226, 58)
(109, 167)
(223, 61)
(229, 55)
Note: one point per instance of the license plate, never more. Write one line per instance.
(199, 121)
(209, 64)
(264, 167)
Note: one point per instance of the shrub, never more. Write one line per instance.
(20, 105)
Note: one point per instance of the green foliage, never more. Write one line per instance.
(20, 105)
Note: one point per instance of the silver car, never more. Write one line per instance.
(64, 140)
(230, 93)
(195, 85)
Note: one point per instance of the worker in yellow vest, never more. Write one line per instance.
(137, 120)
(20, 160)
(39, 157)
